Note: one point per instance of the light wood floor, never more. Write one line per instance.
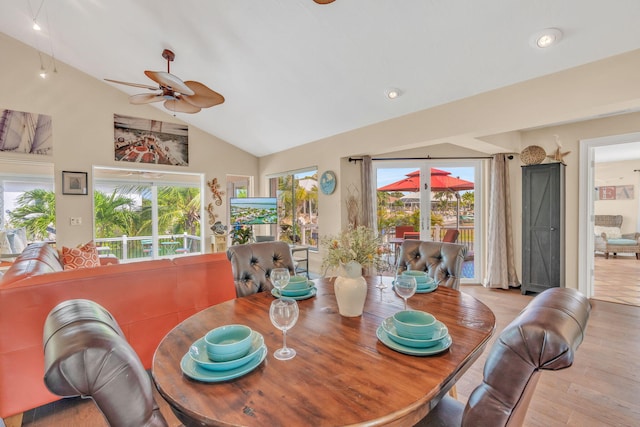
(600, 389)
(617, 279)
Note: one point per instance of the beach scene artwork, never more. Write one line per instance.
(150, 141)
(22, 132)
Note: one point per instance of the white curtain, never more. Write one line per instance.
(501, 269)
(368, 193)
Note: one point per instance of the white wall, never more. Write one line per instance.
(492, 122)
(82, 110)
(615, 174)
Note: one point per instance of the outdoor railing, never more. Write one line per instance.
(127, 248)
(465, 236)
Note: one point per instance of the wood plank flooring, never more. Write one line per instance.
(600, 389)
(617, 279)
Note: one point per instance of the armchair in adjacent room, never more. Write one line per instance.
(609, 238)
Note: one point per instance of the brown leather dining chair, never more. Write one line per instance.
(544, 336)
(252, 263)
(442, 261)
(86, 354)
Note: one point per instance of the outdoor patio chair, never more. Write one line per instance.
(401, 229)
(450, 236)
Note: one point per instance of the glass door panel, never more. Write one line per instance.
(430, 200)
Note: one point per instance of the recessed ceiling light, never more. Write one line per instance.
(392, 93)
(546, 38)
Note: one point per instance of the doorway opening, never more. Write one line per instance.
(609, 185)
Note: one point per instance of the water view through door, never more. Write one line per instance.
(430, 200)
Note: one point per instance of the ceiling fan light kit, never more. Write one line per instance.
(178, 96)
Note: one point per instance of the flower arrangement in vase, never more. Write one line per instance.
(350, 251)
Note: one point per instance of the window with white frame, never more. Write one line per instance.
(27, 203)
(147, 214)
(297, 194)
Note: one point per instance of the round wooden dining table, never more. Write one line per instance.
(342, 373)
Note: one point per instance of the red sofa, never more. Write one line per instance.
(147, 299)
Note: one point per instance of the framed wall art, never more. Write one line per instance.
(150, 141)
(74, 183)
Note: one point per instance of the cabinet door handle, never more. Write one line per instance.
(553, 229)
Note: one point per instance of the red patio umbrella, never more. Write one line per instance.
(440, 181)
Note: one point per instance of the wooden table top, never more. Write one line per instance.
(342, 374)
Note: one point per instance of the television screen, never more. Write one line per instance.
(253, 210)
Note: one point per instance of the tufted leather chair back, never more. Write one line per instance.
(443, 261)
(545, 335)
(252, 264)
(87, 355)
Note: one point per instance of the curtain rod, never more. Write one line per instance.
(359, 159)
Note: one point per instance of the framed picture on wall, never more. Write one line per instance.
(74, 183)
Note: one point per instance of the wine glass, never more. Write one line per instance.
(405, 286)
(280, 278)
(382, 267)
(284, 314)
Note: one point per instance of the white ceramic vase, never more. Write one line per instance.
(350, 289)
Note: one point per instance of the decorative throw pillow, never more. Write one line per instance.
(84, 256)
(611, 232)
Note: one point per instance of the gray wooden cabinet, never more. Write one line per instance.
(543, 229)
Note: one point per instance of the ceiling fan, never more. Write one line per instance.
(324, 1)
(178, 96)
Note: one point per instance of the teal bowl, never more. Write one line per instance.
(420, 276)
(288, 292)
(198, 352)
(228, 342)
(298, 282)
(415, 324)
(439, 332)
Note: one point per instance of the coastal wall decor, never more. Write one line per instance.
(217, 194)
(28, 133)
(532, 155)
(614, 192)
(150, 141)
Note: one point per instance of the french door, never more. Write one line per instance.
(426, 199)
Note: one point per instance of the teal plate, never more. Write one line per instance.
(444, 344)
(425, 290)
(191, 369)
(440, 333)
(311, 293)
(198, 352)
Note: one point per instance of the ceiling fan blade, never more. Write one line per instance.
(180, 106)
(145, 98)
(324, 1)
(169, 81)
(203, 97)
(134, 84)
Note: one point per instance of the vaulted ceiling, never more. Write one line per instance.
(294, 72)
